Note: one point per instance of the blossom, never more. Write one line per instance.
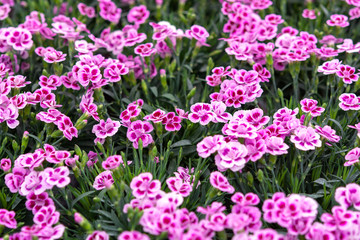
(103, 180)
(5, 164)
(199, 33)
(138, 15)
(276, 146)
(210, 145)
(338, 20)
(347, 74)
(58, 177)
(157, 116)
(98, 235)
(308, 13)
(140, 130)
(352, 157)
(114, 71)
(47, 215)
(231, 156)
(143, 185)
(106, 129)
(86, 10)
(310, 106)
(4, 11)
(329, 67)
(201, 112)
(219, 181)
(179, 186)
(328, 133)
(132, 235)
(7, 218)
(35, 202)
(54, 56)
(305, 138)
(112, 162)
(348, 196)
(20, 39)
(349, 101)
(145, 50)
(171, 122)
(109, 11)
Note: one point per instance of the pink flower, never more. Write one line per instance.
(330, 67)
(87, 74)
(201, 112)
(338, 20)
(179, 186)
(35, 202)
(328, 133)
(103, 180)
(113, 71)
(35, 182)
(133, 235)
(143, 186)
(98, 235)
(220, 115)
(310, 106)
(54, 56)
(357, 127)
(219, 181)
(113, 162)
(305, 138)
(348, 196)
(274, 19)
(347, 74)
(354, 13)
(138, 15)
(276, 146)
(210, 145)
(106, 129)
(145, 50)
(132, 111)
(199, 33)
(109, 11)
(171, 122)
(157, 116)
(140, 130)
(319, 231)
(7, 218)
(352, 157)
(58, 177)
(86, 10)
(256, 149)
(349, 101)
(5, 164)
(349, 47)
(15, 179)
(20, 39)
(4, 11)
(308, 13)
(18, 81)
(231, 156)
(240, 128)
(46, 216)
(51, 82)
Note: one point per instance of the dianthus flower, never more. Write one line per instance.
(20, 39)
(7, 218)
(210, 145)
(98, 235)
(352, 157)
(143, 186)
(328, 133)
(138, 15)
(113, 162)
(109, 11)
(310, 106)
(347, 74)
(199, 33)
(305, 138)
(338, 20)
(103, 180)
(348, 196)
(114, 71)
(106, 129)
(231, 156)
(132, 235)
(145, 50)
(349, 101)
(140, 130)
(219, 181)
(201, 112)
